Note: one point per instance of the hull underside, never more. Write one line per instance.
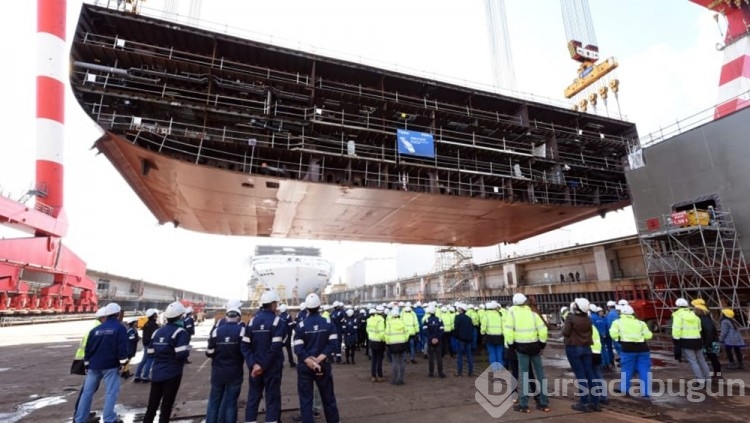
(219, 201)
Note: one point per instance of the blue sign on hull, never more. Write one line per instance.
(415, 143)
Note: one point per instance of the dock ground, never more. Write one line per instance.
(36, 386)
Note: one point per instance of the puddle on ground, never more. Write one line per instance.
(4, 369)
(27, 408)
(133, 415)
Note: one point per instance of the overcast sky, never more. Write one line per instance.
(669, 69)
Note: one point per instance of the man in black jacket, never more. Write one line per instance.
(463, 330)
(143, 372)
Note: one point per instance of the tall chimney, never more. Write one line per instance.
(50, 105)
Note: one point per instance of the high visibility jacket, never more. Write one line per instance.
(326, 315)
(396, 332)
(523, 326)
(376, 328)
(631, 333)
(596, 347)
(81, 351)
(686, 328)
(481, 313)
(492, 323)
(473, 316)
(411, 322)
(448, 320)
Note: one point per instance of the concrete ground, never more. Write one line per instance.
(35, 386)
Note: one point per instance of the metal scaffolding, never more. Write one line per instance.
(695, 254)
(457, 271)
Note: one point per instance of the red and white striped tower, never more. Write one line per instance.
(50, 104)
(734, 83)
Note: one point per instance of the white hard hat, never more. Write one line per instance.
(626, 309)
(519, 299)
(462, 306)
(350, 312)
(450, 308)
(302, 306)
(494, 304)
(408, 304)
(112, 308)
(482, 306)
(418, 304)
(234, 304)
(611, 303)
(282, 308)
(176, 309)
(622, 302)
(372, 311)
(348, 306)
(394, 312)
(269, 297)
(379, 309)
(582, 304)
(594, 308)
(101, 312)
(681, 302)
(444, 309)
(401, 304)
(188, 310)
(362, 311)
(150, 312)
(407, 308)
(430, 309)
(312, 300)
(563, 309)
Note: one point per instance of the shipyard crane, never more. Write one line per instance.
(591, 82)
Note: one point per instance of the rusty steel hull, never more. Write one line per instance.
(218, 201)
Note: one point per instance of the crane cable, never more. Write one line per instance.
(578, 23)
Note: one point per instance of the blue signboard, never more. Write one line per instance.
(415, 143)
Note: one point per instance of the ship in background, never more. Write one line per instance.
(292, 271)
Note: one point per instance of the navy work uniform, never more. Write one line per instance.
(434, 331)
(349, 332)
(262, 345)
(315, 336)
(189, 324)
(170, 349)
(226, 371)
(289, 324)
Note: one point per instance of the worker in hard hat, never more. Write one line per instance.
(732, 339)
(105, 353)
(492, 334)
(526, 333)
(682, 308)
(686, 333)
(170, 349)
(78, 367)
(289, 324)
(596, 354)
(262, 344)
(227, 367)
(412, 326)
(315, 340)
(578, 338)
(463, 331)
(189, 321)
(376, 341)
(564, 312)
(433, 328)
(349, 332)
(632, 335)
(143, 371)
(231, 304)
(337, 318)
(397, 342)
(710, 338)
(599, 320)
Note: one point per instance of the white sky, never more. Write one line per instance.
(669, 69)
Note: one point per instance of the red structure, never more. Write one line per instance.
(39, 274)
(734, 83)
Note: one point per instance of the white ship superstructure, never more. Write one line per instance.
(293, 271)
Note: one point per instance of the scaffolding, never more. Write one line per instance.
(695, 254)
(457, 272)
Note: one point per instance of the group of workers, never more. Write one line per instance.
(515, 338)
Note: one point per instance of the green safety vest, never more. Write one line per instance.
(376, 328)
(81, 351)
(396, 331)
(685, 324)
(411, 322)
(596, 347)
(492, 324)
(629, 329)
(523, 326)
(448, 320)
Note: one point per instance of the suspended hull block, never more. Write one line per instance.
(230, 136)
(218, 201)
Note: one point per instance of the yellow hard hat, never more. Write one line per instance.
(698, 302)
(702, 307)
(727, 312)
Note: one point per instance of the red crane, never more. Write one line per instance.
(42, 258)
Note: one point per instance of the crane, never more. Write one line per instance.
(590, 83)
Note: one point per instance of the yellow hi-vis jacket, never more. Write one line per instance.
(631, 333)
(523, 326)
(482, 313)
(448, 321)
(492, 323)
(376, 328)
(596, 347)
(81, 351)
(411, 322)
(396, 332)
(686, 329)
(473, 316)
